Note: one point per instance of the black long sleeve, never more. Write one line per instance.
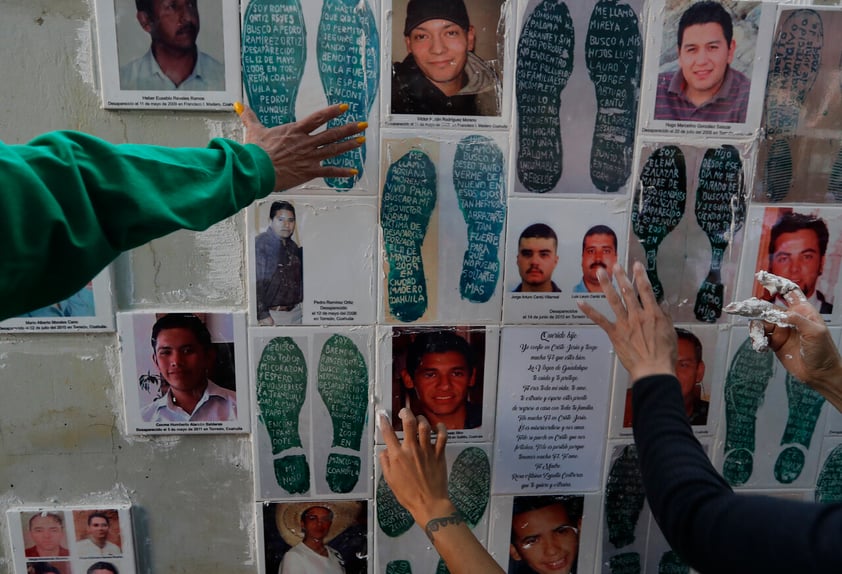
(712, 528)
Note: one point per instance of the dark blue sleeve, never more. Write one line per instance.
(712, 528)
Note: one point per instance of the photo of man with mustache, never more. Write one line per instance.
(599, 250)
(173, 61)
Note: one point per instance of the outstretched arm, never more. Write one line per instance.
(416, 471)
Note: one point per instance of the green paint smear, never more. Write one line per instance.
(745, 385)
(343, 386)
(658, 205)
(720, 212)
(392, 517)
(805, 406)
(624, 498)
(274, 49)
(544, 64)
(409, 196)
(481, 191)
(348, 52)
(613, 55)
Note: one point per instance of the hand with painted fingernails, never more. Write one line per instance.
(642, 333)
(296, 152)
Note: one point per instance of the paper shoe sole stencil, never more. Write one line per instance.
(480, 188)
(745, 386)
(343, 386)
(658, 205)
(829, 483)
(281, 391)
(624, 498)
(805, 406)
(544, 64)
(720, 212)
(409, 196)
(613, 56)
(796, 56)
(348, 51)
(274, 52)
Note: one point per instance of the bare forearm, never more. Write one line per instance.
(455, 542)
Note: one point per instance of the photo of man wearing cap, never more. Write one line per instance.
(315, 537)
(441, 74)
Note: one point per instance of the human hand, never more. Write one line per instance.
(267, 322)
(296, 154)
(643, 336)
(806, 349)
(416, 469)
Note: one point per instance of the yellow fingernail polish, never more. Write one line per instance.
(238, 107)
(362, 125)
(354, 172)
(344, 107)
(361, 139)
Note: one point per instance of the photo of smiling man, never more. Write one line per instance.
(545, 534)
(438, 374)
(437, 70)
(705, 87)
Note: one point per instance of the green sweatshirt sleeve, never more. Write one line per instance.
(70, 203)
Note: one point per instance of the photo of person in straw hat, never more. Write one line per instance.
(321, 537)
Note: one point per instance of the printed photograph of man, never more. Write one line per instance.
(797, 248)
(102, 568)
(80, 304)
(46, 533)
(279, 269)
(705, 87)
(438, 373)
(545, 534)
(537, 257)
(98, 531)
(689, 370)
(441, 73)
(315, 537)
(599, 250)
(48, 568)
(186, 358)
(173, 60)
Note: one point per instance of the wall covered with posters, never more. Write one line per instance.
(514, 147)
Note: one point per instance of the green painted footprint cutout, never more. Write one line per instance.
(793, 68)
(720, 212)
(829, 484)
(392, 517)
(625, 563)
(745, 385)
(281, 390)
(481, 190)
(671, 563)
(399, 567)
(469, 485)
(623, 498)
(805, 406)
(544, 64)
(409, 196)
(274, 51)
(658, 205)
(343, 386)
(778, 169)
(613, 55)
(348, 52)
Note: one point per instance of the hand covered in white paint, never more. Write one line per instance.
(806, 349)
(642, 334)
(295, 153)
